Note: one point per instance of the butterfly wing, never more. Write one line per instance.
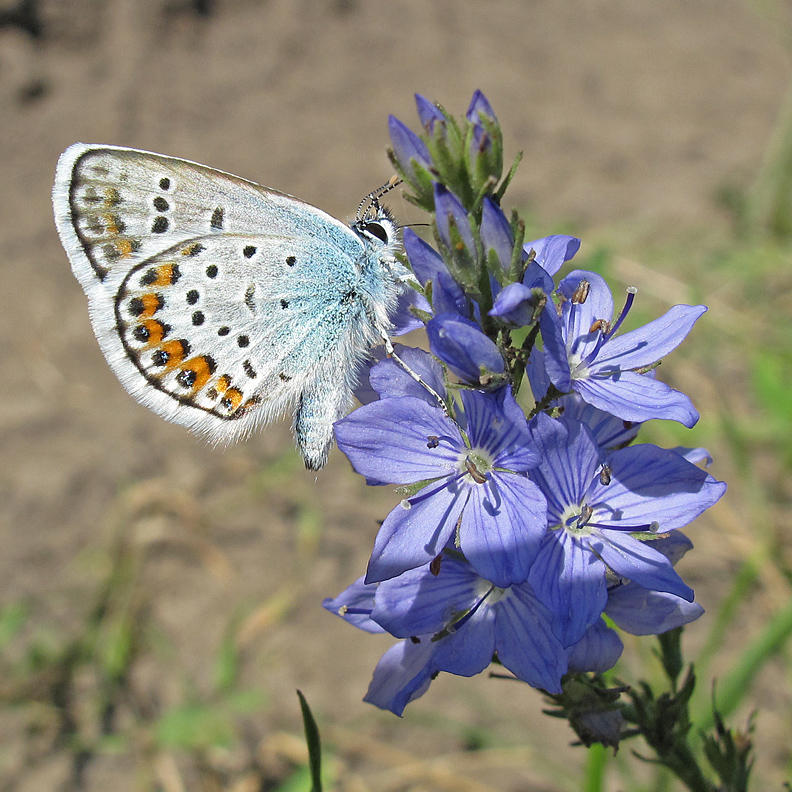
(218, 303)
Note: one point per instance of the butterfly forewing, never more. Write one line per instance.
(115, 207)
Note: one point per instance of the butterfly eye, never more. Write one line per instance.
(377, 230)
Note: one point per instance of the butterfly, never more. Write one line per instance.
(220, 304)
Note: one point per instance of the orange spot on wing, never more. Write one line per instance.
(175, 352)
(112, 227)
(223, 383)
(156, 331)
(112, 196)
(233, 396)
(250, 404)
(202, 368)
(124, 247)
(151, 304)
(167, 274)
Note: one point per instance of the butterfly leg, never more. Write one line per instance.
(391, 352)
(321, 404)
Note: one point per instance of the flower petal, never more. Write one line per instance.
(580, 317)
(462, 346)
(402, 675)
(515, 304)
(525, 642)
(407, 146)
(359, 599)
(403, 320)
(556, 359)
(496, 233)
(638, 562)
(399, 441)
(597, 651)
(479, 105)
(447, 208)
(390, 380)
(570, 580)
(637, 397)
(468, 650)
(652, 485)
(419, 602)
(414, 536)
(551, 252)
(424, 259)
(497, 426)
(502, 528)
(428, 112)
(570, 459)
(639, 611)
(647, 344)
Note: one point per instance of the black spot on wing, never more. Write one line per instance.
(160, 225)
(249, 301)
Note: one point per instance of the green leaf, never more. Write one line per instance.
(314, 744)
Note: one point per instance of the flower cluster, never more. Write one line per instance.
(516, 533)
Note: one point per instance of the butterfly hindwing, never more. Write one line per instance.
(226, 331)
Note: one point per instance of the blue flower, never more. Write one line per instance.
(453, 620)
(496, 233)
(447, 294)
(429, 113)
(519, 303)
(480, 106)
(608, 431)
(584, 354)
(596, 507)
(637, 611)
(450, 214)
(642, 611)
(408, 148)
(478, 495)
(383, 378)
(464, 348)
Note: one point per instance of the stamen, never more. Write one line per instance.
(475, 473)
(605, 475)
(346, 610)
(631, 292)
(451, 628)
(608, 330)
(652, 527)
(408, 503)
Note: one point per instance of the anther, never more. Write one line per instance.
(581, 293)
(475, 473)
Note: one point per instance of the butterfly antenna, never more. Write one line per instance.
(370, 204)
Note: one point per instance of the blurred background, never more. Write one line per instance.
(160, 599)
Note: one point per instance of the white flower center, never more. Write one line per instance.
(476, 464)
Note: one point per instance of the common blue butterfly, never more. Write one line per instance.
(221, 304)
